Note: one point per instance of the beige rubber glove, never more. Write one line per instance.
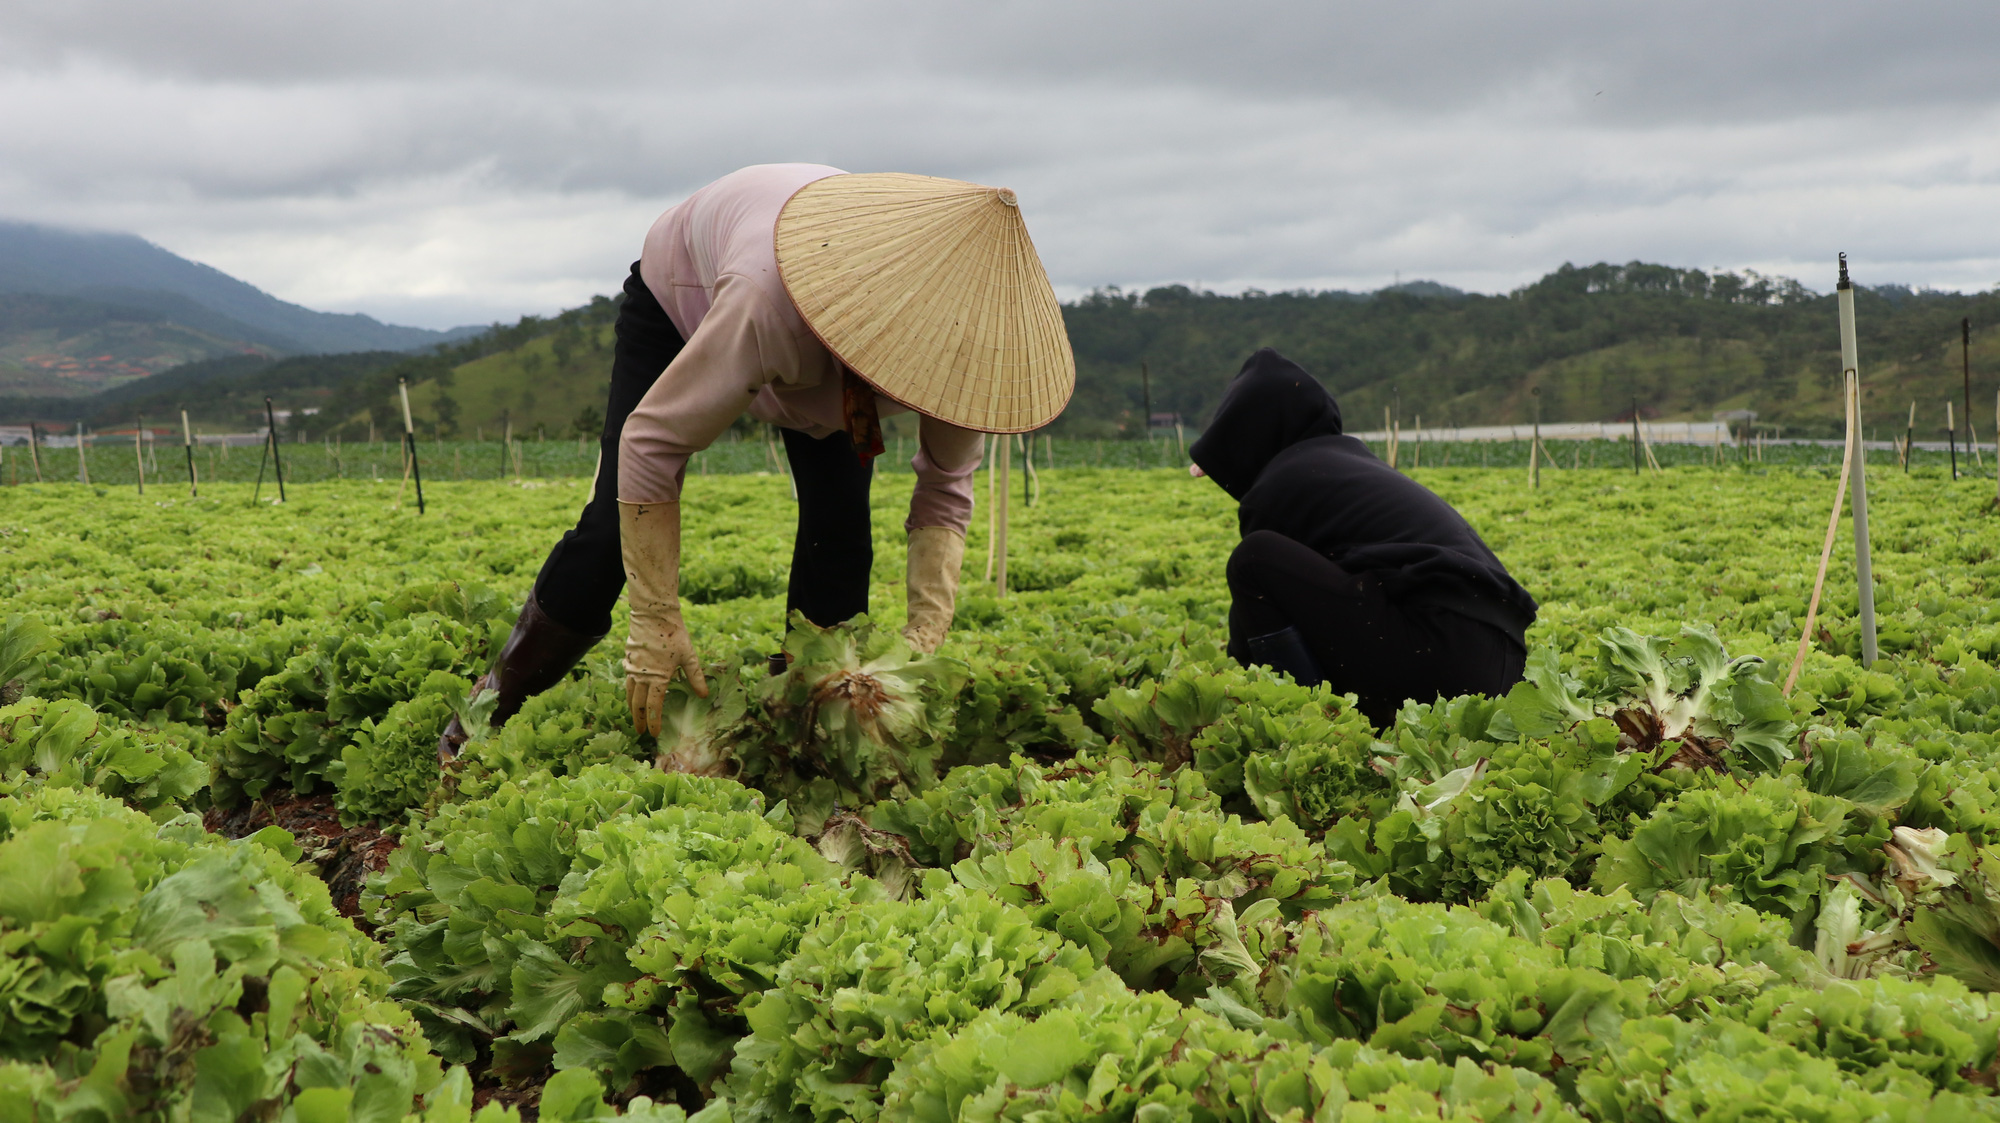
(932, 576)
(658, 646)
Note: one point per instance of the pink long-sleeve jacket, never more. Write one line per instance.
(712, 265)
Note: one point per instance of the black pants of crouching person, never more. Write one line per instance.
(1382, 651)
(585, 572)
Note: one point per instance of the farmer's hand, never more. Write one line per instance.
(657, 647)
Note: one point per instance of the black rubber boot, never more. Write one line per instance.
(536, 656)
(1285, 650)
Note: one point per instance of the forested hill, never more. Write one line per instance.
(1682, 342)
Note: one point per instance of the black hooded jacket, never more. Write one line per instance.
(1276, 446)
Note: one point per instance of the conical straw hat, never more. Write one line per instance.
(931, 291)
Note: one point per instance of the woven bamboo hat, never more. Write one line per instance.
(931, 291)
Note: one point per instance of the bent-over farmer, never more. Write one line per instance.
(1350, 572)
(819, 302)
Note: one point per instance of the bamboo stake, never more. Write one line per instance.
(1864, 572)
(82, 464)
(1819, 580)
(139, 453)
(1534, 450)
(35, 449)
(992, 519)
(1909, 435)
(187, 445)
(1000, 575)
(1031, 486)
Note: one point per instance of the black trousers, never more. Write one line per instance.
(835, 546)
(1381, 651)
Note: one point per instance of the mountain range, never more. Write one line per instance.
(1583, 343)
(84, 311)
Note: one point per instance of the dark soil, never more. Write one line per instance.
(344, 856)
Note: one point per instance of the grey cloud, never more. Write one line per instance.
(448, 157)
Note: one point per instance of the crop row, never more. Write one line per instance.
(1079, 865)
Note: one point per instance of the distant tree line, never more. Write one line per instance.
(1680, 341)
(1594, 340)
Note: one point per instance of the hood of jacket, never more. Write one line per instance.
(1271, 405)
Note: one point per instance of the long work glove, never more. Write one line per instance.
(932, 576)
(658, 646)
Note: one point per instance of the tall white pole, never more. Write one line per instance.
(1850, 362)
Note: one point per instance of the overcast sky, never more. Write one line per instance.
(437, 163)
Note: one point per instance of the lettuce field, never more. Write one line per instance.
(1078, 865)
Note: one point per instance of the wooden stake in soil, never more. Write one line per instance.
(1146, 398)
(1951, 439)
(1635, 436)
(992, 515)
(410, 438)
(1864, 572)
(1909, 435)
(139, 453)
(82, 464)
(1534, 451)
(1006, 452)
(35, 449)
(1965, 365)
(187, 446)
(277, 454)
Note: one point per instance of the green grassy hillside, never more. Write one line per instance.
(547, 385)
(1681, 343)
(56, 346)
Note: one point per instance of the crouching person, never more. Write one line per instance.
(1349, 572)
